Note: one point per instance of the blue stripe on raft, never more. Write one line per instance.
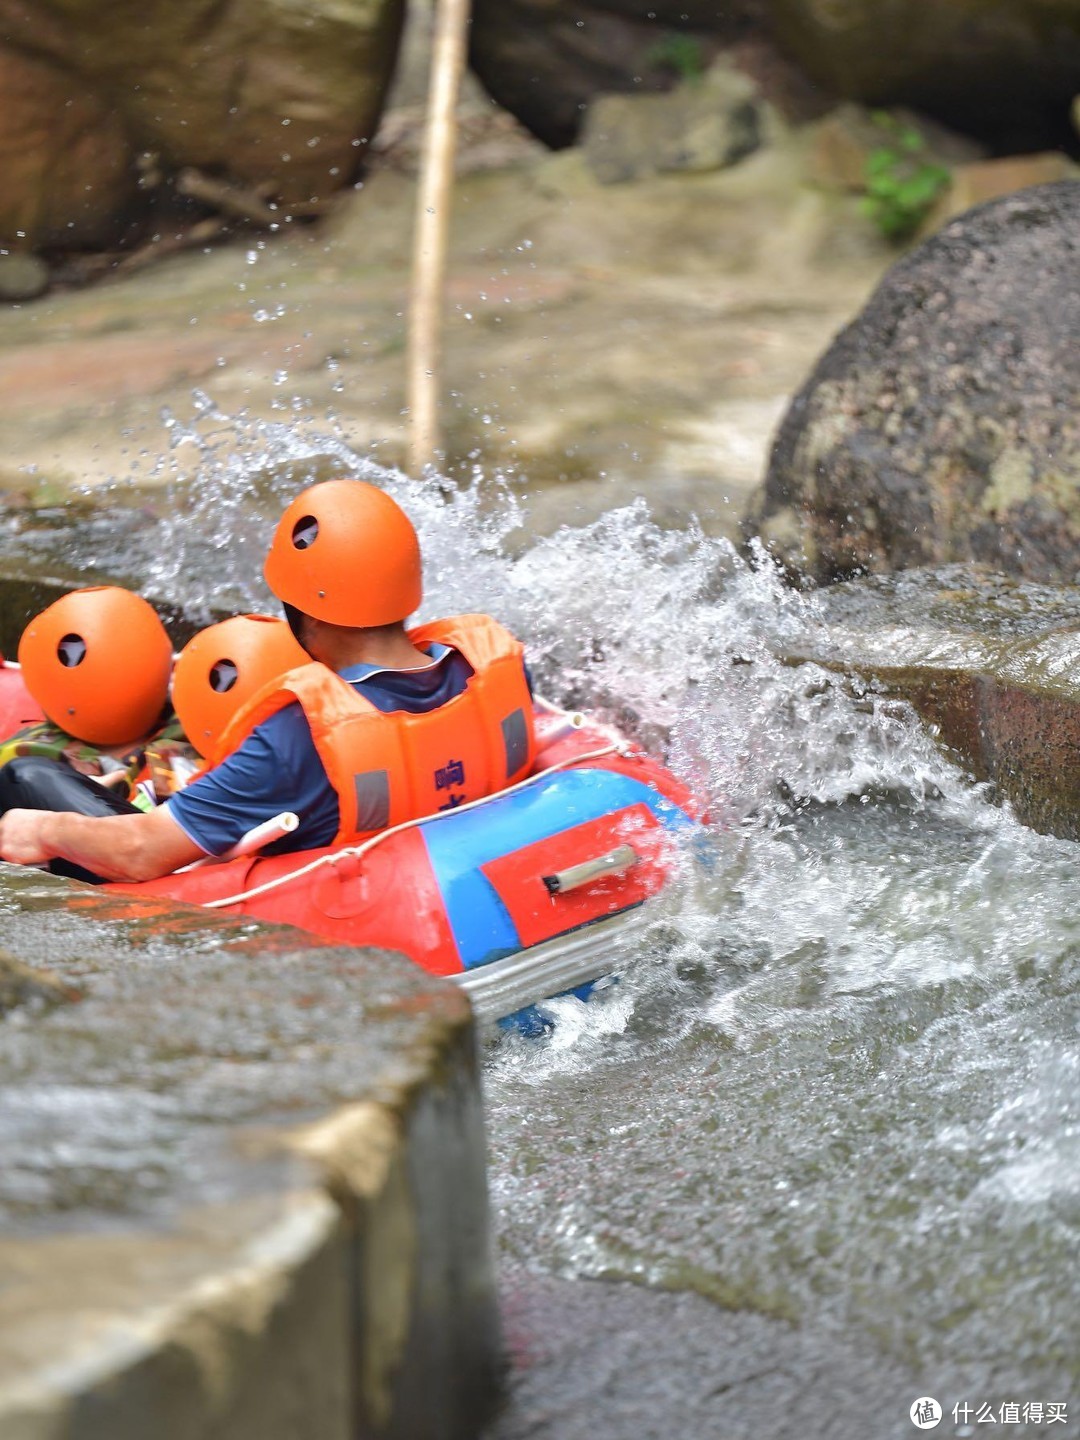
(459, 844)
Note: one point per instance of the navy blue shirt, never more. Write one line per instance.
(277, 768)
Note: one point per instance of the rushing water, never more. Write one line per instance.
(838, 1081)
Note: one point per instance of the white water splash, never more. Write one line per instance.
(669, 632)
(676, 637)
(845, 1035)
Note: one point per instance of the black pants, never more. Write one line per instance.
(31, 782)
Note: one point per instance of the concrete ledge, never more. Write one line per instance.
(234, 1323)
(25, 592)
(993, 663)
(242, 1184)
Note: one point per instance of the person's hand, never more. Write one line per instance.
(21, 837)
(116, 780)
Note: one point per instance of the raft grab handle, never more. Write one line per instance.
(615, 862)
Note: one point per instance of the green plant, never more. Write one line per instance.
(902, 183)
(680, 53)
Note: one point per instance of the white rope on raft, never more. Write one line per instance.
(356, 851)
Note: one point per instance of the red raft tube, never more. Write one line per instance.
(516, 897)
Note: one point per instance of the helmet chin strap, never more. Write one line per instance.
(295, 620)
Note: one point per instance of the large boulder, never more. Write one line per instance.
(269, 93)
(943, 424)
(706, 125)
(544, 60)
(1005, 71)
(64, 156)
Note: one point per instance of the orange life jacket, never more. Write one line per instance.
(387, 768)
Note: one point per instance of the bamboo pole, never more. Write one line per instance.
(434, 195)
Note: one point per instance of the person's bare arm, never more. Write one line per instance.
(116, 847)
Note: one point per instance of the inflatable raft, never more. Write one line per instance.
(516, 897)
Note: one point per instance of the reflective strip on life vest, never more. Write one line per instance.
(387, 768)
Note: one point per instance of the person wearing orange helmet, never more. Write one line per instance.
(88, 683)
(103, 704)
(77, 674)
(381, 724)
(215, 674)
(222, 667)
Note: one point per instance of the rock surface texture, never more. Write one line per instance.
(988, 661)
(66, 161)
(1005, 72)
(241, 1182)
(707, 125)
(275, 95)
(544, 60)
(942, 424)
(1008, 68)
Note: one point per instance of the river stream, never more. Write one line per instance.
(837, 1082)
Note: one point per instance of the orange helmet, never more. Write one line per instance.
(221, 667)
(97, 661)
(346, 553)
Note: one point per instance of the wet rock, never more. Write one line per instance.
(545, 60)
(942, 424)
(241, 1184)
(1005, 72)
(706, 125)
(22, 277)
(31, 986)
(66, 162)
(695, 1368)
(273, 95)
(25, 590)
(21, 597)
(982, 180)
(844, 140)
(704, 302)
(988, 660)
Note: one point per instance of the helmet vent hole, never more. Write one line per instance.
(71, 651)
(305, 532)
(223, 676)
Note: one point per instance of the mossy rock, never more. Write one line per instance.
(942, 424)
